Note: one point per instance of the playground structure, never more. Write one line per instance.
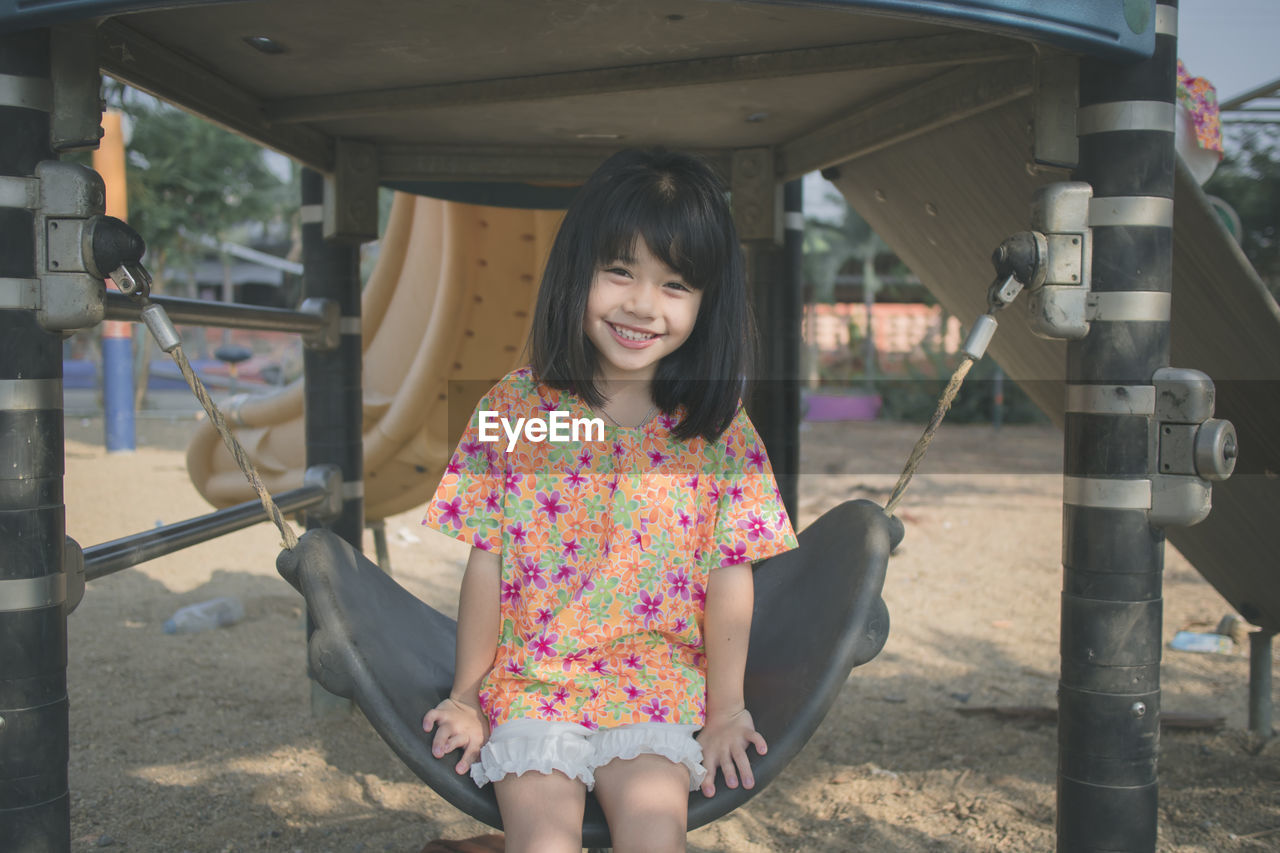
(931, 145)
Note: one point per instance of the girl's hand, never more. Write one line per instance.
(461, 726)
(724, 742)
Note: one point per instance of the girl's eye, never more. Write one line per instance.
(617, 271)
(678, 285)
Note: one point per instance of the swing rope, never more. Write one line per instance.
(166, 336)
(922, 444)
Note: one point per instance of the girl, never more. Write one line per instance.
(606, 604)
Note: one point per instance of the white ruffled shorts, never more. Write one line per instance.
(542, 746)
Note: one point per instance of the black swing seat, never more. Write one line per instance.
(818, 614)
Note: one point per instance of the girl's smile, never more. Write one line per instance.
(638, 312)
(632, 338)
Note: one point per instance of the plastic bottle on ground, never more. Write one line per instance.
(214, 613)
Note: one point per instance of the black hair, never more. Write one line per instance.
(678, 206)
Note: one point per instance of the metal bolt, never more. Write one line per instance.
(880, 196)
(930, 209)
(1138, 709)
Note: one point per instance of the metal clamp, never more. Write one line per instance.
(1059, 299)
(1053, 262)
(112, 249)
(70, 296)
(73, 568)
(329, 478)
(77, 247)
(328, 336)
(1191, 448)
(161, 327)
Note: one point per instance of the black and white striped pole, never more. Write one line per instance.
(1139, 449)
(34, 741)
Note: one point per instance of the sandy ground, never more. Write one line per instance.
(206, 742)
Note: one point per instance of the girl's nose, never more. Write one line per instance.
(640, 298)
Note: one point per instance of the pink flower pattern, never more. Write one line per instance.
(606, 553)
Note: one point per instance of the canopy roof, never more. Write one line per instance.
(541, 90)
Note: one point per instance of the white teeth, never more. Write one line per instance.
(632, 336)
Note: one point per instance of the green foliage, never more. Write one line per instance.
(913, 398)
(189, 179)
(1249, 180)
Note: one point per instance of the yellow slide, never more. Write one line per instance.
(451, 298)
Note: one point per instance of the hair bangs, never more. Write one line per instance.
(674, 223)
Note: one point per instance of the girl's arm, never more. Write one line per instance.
(462, 724)
(729, 727)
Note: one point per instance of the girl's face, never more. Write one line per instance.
(639, 311)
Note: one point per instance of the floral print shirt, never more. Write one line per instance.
(1198, 96)
(606, 550)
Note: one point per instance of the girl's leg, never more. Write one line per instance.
(646, 801)
(541, 812)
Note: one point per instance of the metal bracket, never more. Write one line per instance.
(70, 297)
(73, 568)
(328, 337)
(75, 123)
(1057, 79)
(329, 478)
(1190, 447)
(1059, 305)
(1053, 262)
(755, 195)
(351, 193)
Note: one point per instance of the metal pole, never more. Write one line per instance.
(334, 403)
(117, 338)
(776, 279)
(1109, 690)
(379, 529)
(117, 387)
(1260, 683)
(199, 312)
(790, 344)
(34, 739)
(119, 554)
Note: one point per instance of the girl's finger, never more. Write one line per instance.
(744, 768)
(709, 781)
(470, 756)
(429, 720)
(757, 740)
(730, 776)
(741, 765)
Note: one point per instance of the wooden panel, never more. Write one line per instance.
(945, 201)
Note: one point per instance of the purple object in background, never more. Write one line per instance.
(854, 406)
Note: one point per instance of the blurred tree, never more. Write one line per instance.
(189, 179)
(1249, 180)
(191, 186)
(829, 246)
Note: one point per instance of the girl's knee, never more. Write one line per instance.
(541, 812)
(646, 801)
(649, 834)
